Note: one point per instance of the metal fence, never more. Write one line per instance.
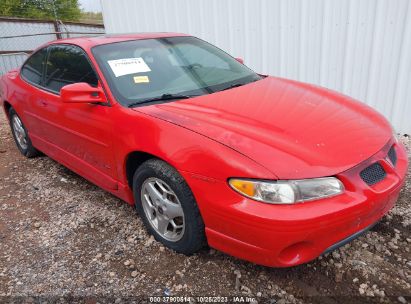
(11, 61)
(19, 37)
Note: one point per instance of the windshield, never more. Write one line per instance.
(146, 70)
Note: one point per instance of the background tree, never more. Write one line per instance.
(67, 10)
(91, 17)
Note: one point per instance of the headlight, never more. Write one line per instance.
(287, 192)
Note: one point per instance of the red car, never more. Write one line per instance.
(266, 169)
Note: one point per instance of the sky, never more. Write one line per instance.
(90, 5)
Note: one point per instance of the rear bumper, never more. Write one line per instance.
(284, 236)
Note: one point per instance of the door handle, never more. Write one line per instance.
(43, 103)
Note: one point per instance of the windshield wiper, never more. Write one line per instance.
(233, 86)
(163, 97)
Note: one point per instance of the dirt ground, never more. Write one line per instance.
(65, 240)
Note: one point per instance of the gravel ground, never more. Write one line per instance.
(64, 239)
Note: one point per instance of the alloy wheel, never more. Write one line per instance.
(19, 132)
(163, 209)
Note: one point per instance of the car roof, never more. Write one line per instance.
(90, 41)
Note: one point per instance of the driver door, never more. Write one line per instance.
(76, 134)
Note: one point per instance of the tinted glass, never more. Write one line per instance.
(67, 64)
(139, 70)
(33, 68)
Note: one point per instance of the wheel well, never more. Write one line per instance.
(134, 160)
(7, 107)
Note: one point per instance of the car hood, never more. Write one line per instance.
(293, 129)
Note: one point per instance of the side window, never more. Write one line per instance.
(32, 70)
(67, 64)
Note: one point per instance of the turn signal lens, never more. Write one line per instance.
(288, 192)
(243, 186)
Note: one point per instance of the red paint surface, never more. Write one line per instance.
(270, 129)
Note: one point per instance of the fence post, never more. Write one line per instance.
(57, 29)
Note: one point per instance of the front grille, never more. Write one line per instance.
(373, 174)
(392, 155)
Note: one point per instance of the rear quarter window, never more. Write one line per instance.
(32, 70)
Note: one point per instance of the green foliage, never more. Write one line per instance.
(67, 10)
(91, 17)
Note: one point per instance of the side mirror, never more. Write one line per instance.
(82, 92)
(240, 60)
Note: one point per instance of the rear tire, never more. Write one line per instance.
(21, 136)
(167, 207)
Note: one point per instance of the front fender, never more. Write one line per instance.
(182, 148)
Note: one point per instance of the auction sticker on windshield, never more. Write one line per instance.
(128, 66)
(141, 79)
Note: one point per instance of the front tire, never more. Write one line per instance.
(21, 136)
(167, 207)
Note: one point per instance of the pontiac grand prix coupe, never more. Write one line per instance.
(266, 169)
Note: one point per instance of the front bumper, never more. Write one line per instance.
(288, 235)
(349, 239)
